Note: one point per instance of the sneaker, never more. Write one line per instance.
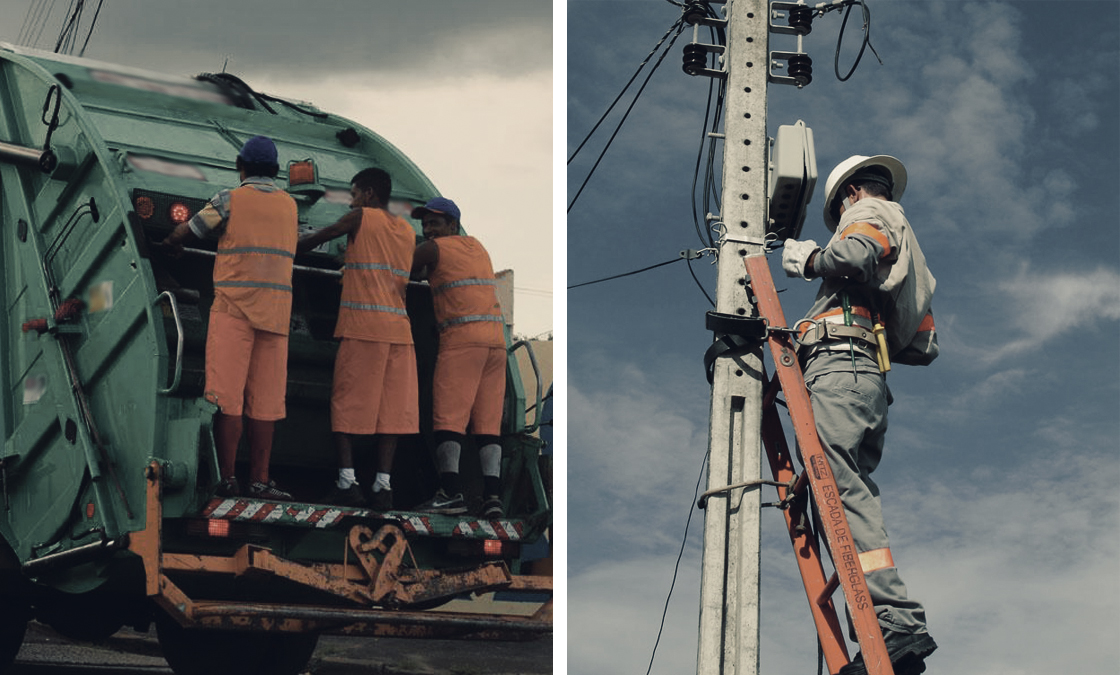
(259, 490)
(441, 503)
(908, 652)
(382, 500)
(228, 488)
(492, 508)
(351, 496)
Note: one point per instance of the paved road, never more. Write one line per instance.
(45, 652)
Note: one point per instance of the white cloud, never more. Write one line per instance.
(1045, 306)
(484, 141)
(614, 612)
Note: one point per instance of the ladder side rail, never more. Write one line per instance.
(805, 546)
(833, 520)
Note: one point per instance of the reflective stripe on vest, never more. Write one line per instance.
(375, 278)
(372, 308)
(464, 294)
(470, 319)
(253, 266)
(253, 284)
(465, 282)
(376, 266)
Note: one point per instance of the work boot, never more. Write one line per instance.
(442, 504)
(381, 500)
(351, 496)
(259, 490)
(492, 508)
(228, 488)
(907, 651)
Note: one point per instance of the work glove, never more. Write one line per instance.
(795, 255)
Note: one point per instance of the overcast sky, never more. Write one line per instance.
(1000, 475)
(463, 89)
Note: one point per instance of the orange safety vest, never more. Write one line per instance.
(378, 261)
(465, 296)
(253, 268)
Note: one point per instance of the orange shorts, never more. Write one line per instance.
(246, 369)
(374, 389)
(469, 386)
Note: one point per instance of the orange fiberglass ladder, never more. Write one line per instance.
(818, 478)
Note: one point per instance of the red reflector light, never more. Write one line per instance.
(145, 207)
(90, 510)
(179, 213)
(492, 547)
(217, 528)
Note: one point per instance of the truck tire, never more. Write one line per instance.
(217, 652)
(93, 616)
(14, 615)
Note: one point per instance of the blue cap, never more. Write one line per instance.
(259, 150)
(444, 207)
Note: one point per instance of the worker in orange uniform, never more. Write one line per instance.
(874, 279)
(256, 226)
(468, 388)
(374, 390)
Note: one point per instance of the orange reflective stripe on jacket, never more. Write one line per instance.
(878, 559)
(253, 267)
(464, 293)
(871, 231)
(927, 324)
(375, 280)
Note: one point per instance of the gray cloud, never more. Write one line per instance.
(288, 37)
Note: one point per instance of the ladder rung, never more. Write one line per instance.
(829, 589)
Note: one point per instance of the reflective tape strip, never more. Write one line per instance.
(927, 323)
(253, 284)
(373, 308)
(465, 282)
(470, 319)
(376, 266)
(878, 559)
(257, 249)
(869, 230)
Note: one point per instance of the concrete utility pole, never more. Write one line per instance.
(729, 590)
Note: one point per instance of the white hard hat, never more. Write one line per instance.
(850, 167)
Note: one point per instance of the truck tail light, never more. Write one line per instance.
(178, 212)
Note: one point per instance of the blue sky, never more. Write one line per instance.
(1003, 459)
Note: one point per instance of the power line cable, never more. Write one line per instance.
(677, 566)
(700, 285)
(624, 274)
(91, 25)
(680, 27)
(43, 21)
(624, 88)
(864, 45)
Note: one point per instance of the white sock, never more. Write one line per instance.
(382, 482)
(346, 478)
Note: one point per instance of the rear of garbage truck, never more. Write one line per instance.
(107, 470)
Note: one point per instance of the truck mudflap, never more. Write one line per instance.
(375, 591)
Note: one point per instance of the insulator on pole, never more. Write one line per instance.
(801, 69)
(801, 19)
(695, 59)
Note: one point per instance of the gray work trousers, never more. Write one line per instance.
(851, 417)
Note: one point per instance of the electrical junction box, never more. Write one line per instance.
(793, 175)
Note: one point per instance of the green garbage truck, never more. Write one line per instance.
(107, 471)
